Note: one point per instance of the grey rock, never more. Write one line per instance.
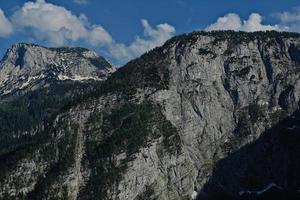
(157, 127)
(25, 66)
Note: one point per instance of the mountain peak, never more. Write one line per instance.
(207, 109)
(20, 50)
(25, 63)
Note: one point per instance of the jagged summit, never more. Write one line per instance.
(26, 64)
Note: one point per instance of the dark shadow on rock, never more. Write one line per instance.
(268, 168)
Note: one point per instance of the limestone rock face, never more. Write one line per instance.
(162, 126)
(25, 66)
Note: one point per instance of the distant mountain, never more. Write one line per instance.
(37, 82)
(209, 115)
(29, 66)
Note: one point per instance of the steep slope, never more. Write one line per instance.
(37, 82)
(157, 127)
(265, 169)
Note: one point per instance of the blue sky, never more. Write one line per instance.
(123, 29)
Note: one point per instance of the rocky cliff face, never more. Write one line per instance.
(37, 82)
(169, 125)
(28, 66)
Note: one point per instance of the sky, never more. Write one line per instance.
(121, 30)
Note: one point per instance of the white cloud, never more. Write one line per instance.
(290, 19)
(99, 36)
(152, 37)
(57, 25)
(254, 23)
(6, 27)
(81, 2)
(232, 21)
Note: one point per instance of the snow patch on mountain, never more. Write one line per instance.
(78, 78)
(260, 192)
(27, 65)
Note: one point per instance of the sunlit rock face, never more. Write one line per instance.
(27, 66)
(162, 126)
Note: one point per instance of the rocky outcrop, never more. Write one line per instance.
(28, 67)
(160, 126)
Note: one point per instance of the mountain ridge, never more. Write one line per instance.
(26, 65)
(158, 127)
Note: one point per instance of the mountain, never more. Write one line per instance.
(37, 82)
(28, 66)
(209, 115)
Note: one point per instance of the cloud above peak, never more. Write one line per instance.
(233, 22)
(230, 21)
(290, 19)
(6, 27)
(57, 25)
(151, 38)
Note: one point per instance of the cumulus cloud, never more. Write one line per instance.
(254, 23)
(290, 19)
(232, 21)
(287, 17)
(57, 25)
(6, 27)
(99, 36)
(81, 2)
(152, 37)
